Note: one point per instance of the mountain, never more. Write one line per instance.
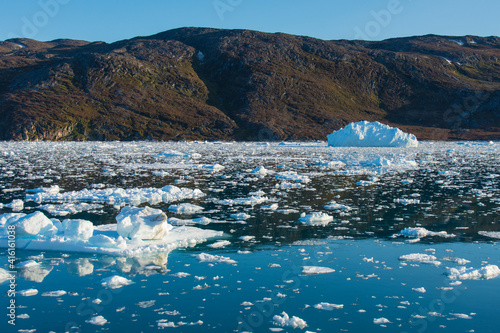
(201, 83)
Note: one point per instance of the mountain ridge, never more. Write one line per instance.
(213, 84)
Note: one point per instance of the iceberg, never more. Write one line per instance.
(78, 229)
(371, 134)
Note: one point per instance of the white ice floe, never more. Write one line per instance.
(240, 216)
(140, 231)
(420, 232)
(333, 205)
(174, 154)
(97, 320)
(406, 201)
(292, 176)
(55, 293)
(371, 134)
(491, 234)
(285, 320)
(185, 208)
(27, 263)
(261, 171)
(310, 270)
(16, 205)
(380, 321)
(419, 290)
(133, 196)
(328, 306)
(247, 238)
(220, 244)
(205, 257)
(249, 201)
(461, 315)
(420, 257)
(464, 273)
(27, 292)
(317, 218)
(69, 208)
(115, 282)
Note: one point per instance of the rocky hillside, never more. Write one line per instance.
(196, 83)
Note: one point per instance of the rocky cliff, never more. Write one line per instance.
(198, 83)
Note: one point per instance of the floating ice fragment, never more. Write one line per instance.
(285, 320)
(328, 306)
(16, 205)
(461, 315)
(247, 238)
(205, 257)
(185, 208)
(115, 282)
(316, 218)
(97, 320)
(380, 321)
(240, 216)
(261, 171)
(375, 134)
(463, 273)
(422, 257)
(419, 290)
(406, 201)
(422, 232)
(293, 176)
(309, 270)
(55, 293)
(220, 244)
(27, 292)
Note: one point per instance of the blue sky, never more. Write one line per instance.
(110, 20)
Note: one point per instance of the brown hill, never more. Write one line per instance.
(197, 83)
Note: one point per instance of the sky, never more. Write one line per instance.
(111, 20)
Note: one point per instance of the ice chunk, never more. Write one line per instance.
(185, 208)
(422, 232)
(380, 321)
(285, 320)
(417, 257)
(28, 292)
(77, 229)
(220, 244)
(293, 176)
(35, 224)
(115, 282)
(97, 320)
(205, 257)
(419, 290)
(142, 223)
(328, 306)
(309, 270)
(316, 219)
(16, 205)
(55, 293)
(240, 216)
(463, 273)
(260, 171)
(371, 134)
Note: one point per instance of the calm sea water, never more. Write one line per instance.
(451, 187)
